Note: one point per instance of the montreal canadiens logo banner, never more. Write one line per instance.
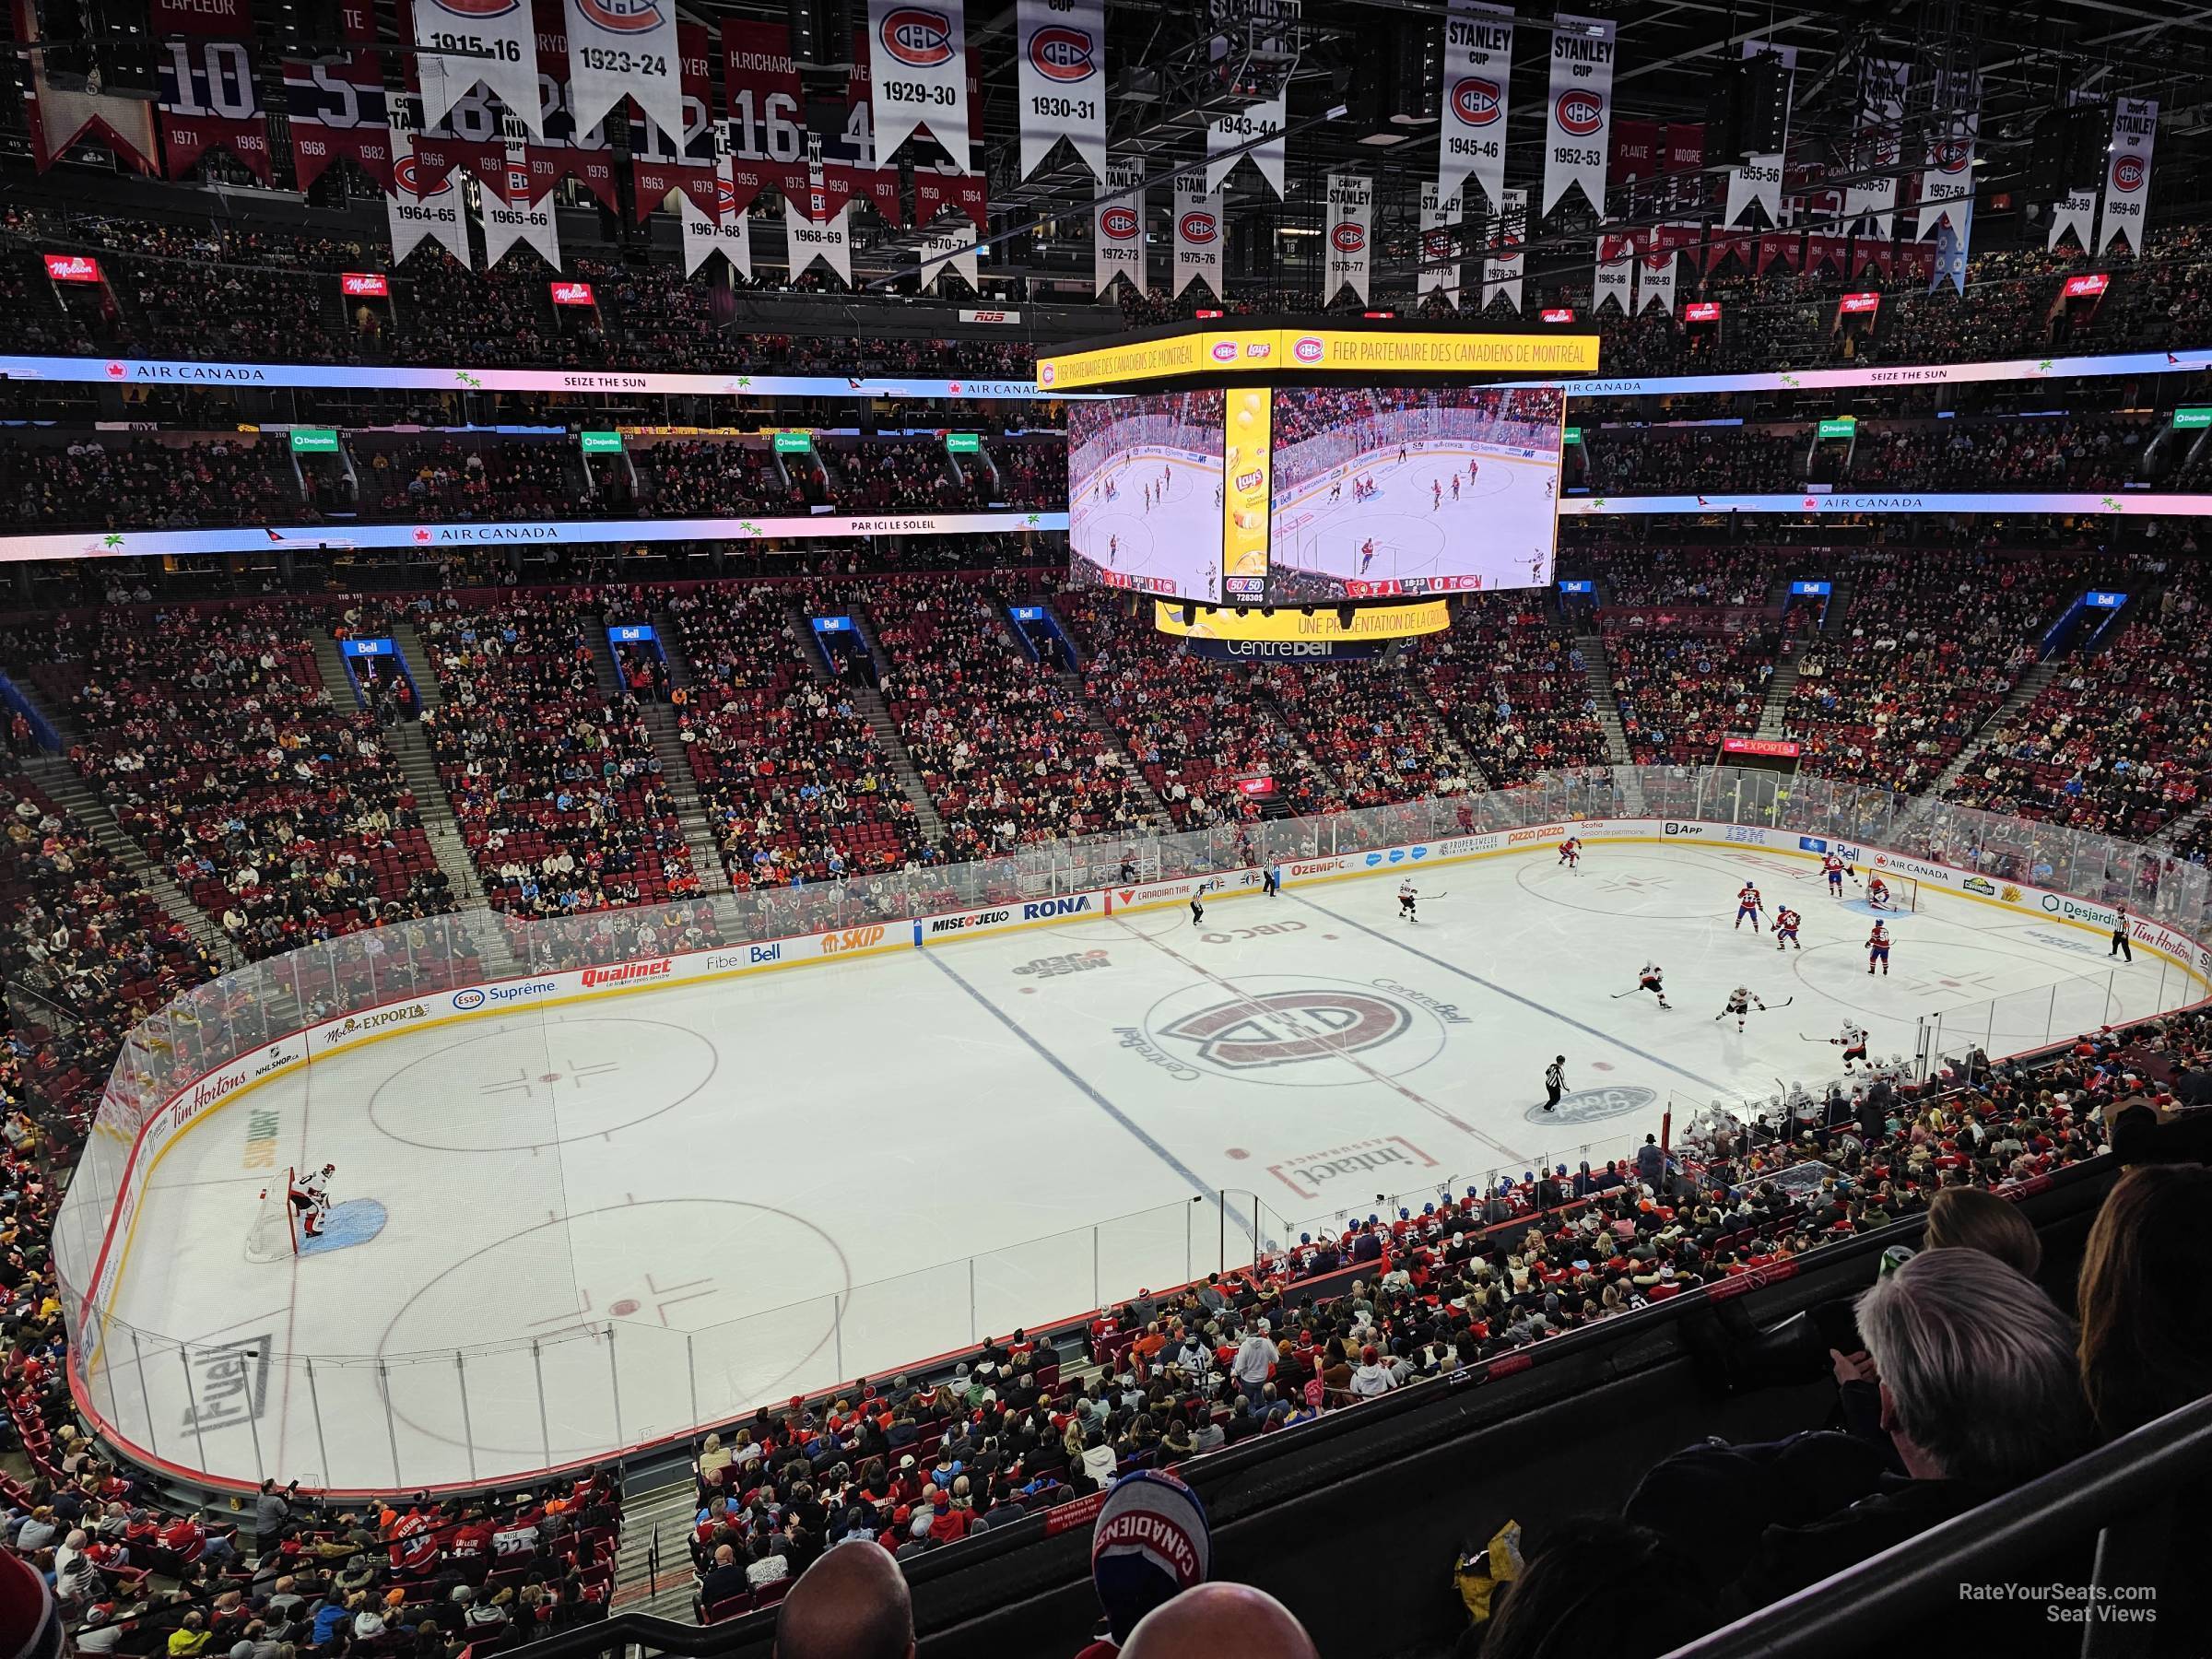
(727, 231)
(918, 75)
(423, 204)
(1198, 236)
(1578, 125)
(1479, 68)
(626, 47)
(1502, 267)
(1878, 143)
(2127, 179)
(1117, 228)
(491, 41)
(1350, 232)
(1060, 57)
(1439, 269)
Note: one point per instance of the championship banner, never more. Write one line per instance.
(1197, 236)
(679, 156)
(207, 96)
(501, 41)
(1060, 59)
(760, 89)
(2078, 213)
(2127, 180)
(620, 48)
(1656, 283)
(469, 139)
(508, 214)
(1347, 249)
(728, 232)
(337, 108)
(1614, 274)
(1502, 268)
(1758, 182)
(1950, 263)
(918, 75)
(1879, 142)
(963, 193)
(817, 221)
(1117, 228)
(60, 118)
(1439, 269)
(1946, 179)
(949, 253)
(1479, 72)
(563, 150)
(1242, 126)
(1579, 119)
(423, 203)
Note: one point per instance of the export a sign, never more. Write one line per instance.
(1781, 749)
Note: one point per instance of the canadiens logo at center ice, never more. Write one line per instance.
(1286, 1026)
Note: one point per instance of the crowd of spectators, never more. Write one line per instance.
(1370, 728)
(1515, 686)
(441, 479)
(2007, 454)
(143, 483)
(1681, 693)
(1632, 573)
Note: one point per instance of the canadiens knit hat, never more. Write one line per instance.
(1150, 1544)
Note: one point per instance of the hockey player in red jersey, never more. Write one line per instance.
(1747, 904)
(1832, 867)
(1570, 854)
(1877, 949)
(1878, 892)
(1785, 928)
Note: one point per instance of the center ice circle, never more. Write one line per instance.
(536, 1082)
(1294, 1031)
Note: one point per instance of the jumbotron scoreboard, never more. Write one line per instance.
(1233, 471)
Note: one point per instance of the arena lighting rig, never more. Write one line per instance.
(1267, 484)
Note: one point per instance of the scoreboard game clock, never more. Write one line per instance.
(1322, 467)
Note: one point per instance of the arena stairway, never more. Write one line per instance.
(655, 1532)
(878, 713)
(1596, 670)
(2023, 693)
(683, 785)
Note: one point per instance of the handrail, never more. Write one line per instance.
(1847, 1610)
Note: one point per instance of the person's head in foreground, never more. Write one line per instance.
(2146, 1299)
(1219, 1621)
(852, 1603)
(1598, 1585)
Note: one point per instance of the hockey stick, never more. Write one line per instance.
(1617, 996)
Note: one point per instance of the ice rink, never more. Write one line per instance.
(1172, 545)
(1498, 524)
(752, 1182)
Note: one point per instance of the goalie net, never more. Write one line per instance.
(1904, 892)
(275, 1234)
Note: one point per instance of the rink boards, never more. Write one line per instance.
(224, 1084)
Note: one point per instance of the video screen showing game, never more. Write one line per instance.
(1380, 491)
(1143, 493)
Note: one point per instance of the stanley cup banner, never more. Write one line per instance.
(1478, 71)
(508, 215)
(1501, 269)
(1614, 274)
(626, 47)
(1656, 285)
(1347, 249)
(1243, 126)
(950, 253)
(1946, 179)
(1198, 236)
(1578, 125)
(1117, 228)
(727, 231)
(2127, 180)
(1758, 181)
(424, 203)
(918, 75)
(1879, 143)
(1439, 269)
(1060, 57)
(461, 43)
(2077, 212)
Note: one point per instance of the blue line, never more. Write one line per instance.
(1626, 1048)
(1213, 1195)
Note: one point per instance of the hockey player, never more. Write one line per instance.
(1747, 904)
(1878, 892)
(1408, 896)
(1436, 495)
(1739, 1003)
(1785, 928)
(1471, 471)
(1455, 486)
(1649, 980)
(1877, 949)
(1114, 549)
(1367, 554)
(1337, 492)
(1832, 867)
(1853, 1044)
(1570, 854)
(310, 1196)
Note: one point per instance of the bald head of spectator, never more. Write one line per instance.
(852, 1603)
(1220, 1621)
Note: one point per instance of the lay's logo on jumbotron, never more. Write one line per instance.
(1061, 53)
(622, 17)
(917, 37)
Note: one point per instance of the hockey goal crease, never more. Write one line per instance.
(1904, 892)
(275, 1232)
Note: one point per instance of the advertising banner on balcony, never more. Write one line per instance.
(1060, 63)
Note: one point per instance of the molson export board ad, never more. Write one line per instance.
(1244, 497)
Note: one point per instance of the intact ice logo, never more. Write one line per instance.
(917, 37)
(1347, 238)
(622, 17)
(1287, 1026)
(1061, 53)
(1198, 227)
(1120, 223)
(417, 180)
(1225, 351)
(1581, 112)
(1478, 101)
(466, 1000)
(2128, 173)
(1309, 351)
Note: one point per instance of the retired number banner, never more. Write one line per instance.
(1578, 125)
(207, 96)
(1478, 71)
(337, 108)
(1060, 57)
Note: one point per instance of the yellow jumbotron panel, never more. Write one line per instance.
(1289, 351)
(1298, 622)
(1244, 465)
